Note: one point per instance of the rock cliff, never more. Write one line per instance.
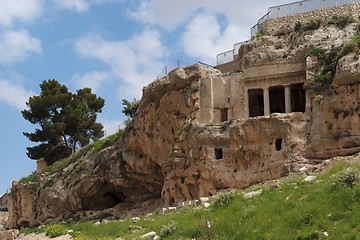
(167, 155)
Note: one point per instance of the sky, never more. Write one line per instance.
(115, 47)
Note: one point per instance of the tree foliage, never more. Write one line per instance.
(130, 108)
(65, 121)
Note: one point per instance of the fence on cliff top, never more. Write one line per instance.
(228, 56)
(281, 11)
(177, 64)
(297, 7)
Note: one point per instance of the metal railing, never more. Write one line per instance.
(177, 64)
(225, 57)
(297, 7)
(228, 56)
(205, 65)
(169, 67)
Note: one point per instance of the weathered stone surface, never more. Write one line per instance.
(149, 235)
(348, 70)
(310, 179)
(253, 194)
(334, 127)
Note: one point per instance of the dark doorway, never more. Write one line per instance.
(298, 98)
(277, 99)
(256, 102)
(224, 114)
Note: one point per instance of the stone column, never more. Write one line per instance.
(206, 101)
(287, 99)
(266, 101)
(246, 103)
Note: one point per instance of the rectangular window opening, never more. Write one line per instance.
(224, 114)
(218, 153)
(277, 99)
(256, 102)
(298, 98)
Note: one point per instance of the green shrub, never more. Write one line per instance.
(318, 98)
(50, 182)
(55, 230)
(356, 38)
(259, 34)
(168, 229)
(283, 31)
(347, 178)
(319, 53)
(80, 237)
(313, 24)
(298, 27)
(341, 21)
(223, 199)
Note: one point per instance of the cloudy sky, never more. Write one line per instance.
(113, 46)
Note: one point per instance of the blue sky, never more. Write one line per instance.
(113, 46)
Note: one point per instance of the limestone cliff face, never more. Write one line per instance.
(171, 153)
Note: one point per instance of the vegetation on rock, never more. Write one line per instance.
(329, 59)
(65, 121)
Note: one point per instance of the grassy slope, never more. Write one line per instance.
(296, 210)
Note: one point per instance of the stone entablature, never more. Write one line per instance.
(275, 25)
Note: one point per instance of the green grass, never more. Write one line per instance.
(297, 210)
(31, 178)
(89, 149)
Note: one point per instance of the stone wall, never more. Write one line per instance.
(275, 25)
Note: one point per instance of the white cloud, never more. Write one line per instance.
(17, 45)
(167, 14)
(204, 38)
(21, 10)
(211, 26)
(93, 79)
(135, 61)
(170, 14)
(78, 5)
(13, 94)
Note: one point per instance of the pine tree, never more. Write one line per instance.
(65, 121)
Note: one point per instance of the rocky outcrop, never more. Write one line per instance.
(168, 156)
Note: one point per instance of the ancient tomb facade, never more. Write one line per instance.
(254, 92)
